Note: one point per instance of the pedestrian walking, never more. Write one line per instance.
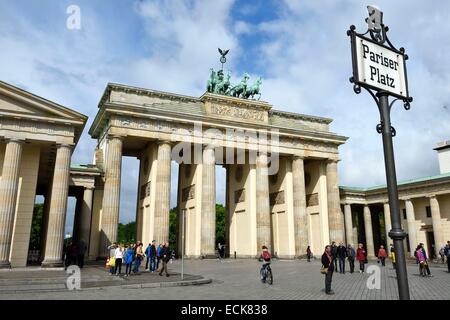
(165, 257)
(382, 254)
(442, 254)
(118, 255)
(308, 253)
(328, 269)
(421, 260)
(341, 254)
(361, 256)
(129, 254)
(351, 254)
(393, 257)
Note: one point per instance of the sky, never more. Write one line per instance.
(299, 48)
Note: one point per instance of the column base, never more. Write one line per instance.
(5, 265)
(52, 264)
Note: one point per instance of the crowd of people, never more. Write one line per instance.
(335, 256)
(74, 253)
(156, 256)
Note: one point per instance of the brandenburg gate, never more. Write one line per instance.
(281, 172)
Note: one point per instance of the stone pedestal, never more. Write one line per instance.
(111, 195)
(208, 219)
(412, 233)
(299, 199)
(162, 193)
(349, 224)
(58, 208)
(335, 217)
(369, 232)
(9, 185)
(263, 230)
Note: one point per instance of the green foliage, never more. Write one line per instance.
(173, 227)
(36, 226)
(127, 233)
(220, 224)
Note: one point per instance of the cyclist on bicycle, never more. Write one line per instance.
(266, 257)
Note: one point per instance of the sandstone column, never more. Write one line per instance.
(300, 215)
(9, 185)
(58, 208)
(162, 193)
(208, 214)
(335, 217)
(412, 233)
(369, 233)
(111, 194)
(86, 214)
(437, 224)
(263, 232)
(349, 224)
(387, 223)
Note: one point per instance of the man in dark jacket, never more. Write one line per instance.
(153, 256)
(327, 262)
(447, 254)
(165, 257)
(334, 250)
(342, 254)
(351, 254)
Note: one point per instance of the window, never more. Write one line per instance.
(428, 209)
(404, 214)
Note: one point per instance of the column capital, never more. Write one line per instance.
(432, 196)
(160, 142)
(115, 136)
(332, 160)
(16, 140)
(296, 157)
(65, 145)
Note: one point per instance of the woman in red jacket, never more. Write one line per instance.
(382, 254)
(361, 256)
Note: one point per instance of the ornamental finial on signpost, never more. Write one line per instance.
(375, 24)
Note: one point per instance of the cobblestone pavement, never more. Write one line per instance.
(239, 279)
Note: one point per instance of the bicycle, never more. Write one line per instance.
(266, 274)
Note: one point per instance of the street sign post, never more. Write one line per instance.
(380, 68)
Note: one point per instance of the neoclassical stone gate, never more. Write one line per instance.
(281, 171)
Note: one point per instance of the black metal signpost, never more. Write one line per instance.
(380, 68)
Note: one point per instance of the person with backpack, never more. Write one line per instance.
(158, 255)
(422, 260)
(153, 256)
(382, 254)
(147, 255)
(265, 257)
(393, 257)
(112, 259)
(361, 256)
(328, 269)
(129, 254)
(351, 254)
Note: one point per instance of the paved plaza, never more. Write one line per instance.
(238, 279)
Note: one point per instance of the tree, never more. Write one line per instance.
(127, 233)
(36, 226)
(220, 224)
